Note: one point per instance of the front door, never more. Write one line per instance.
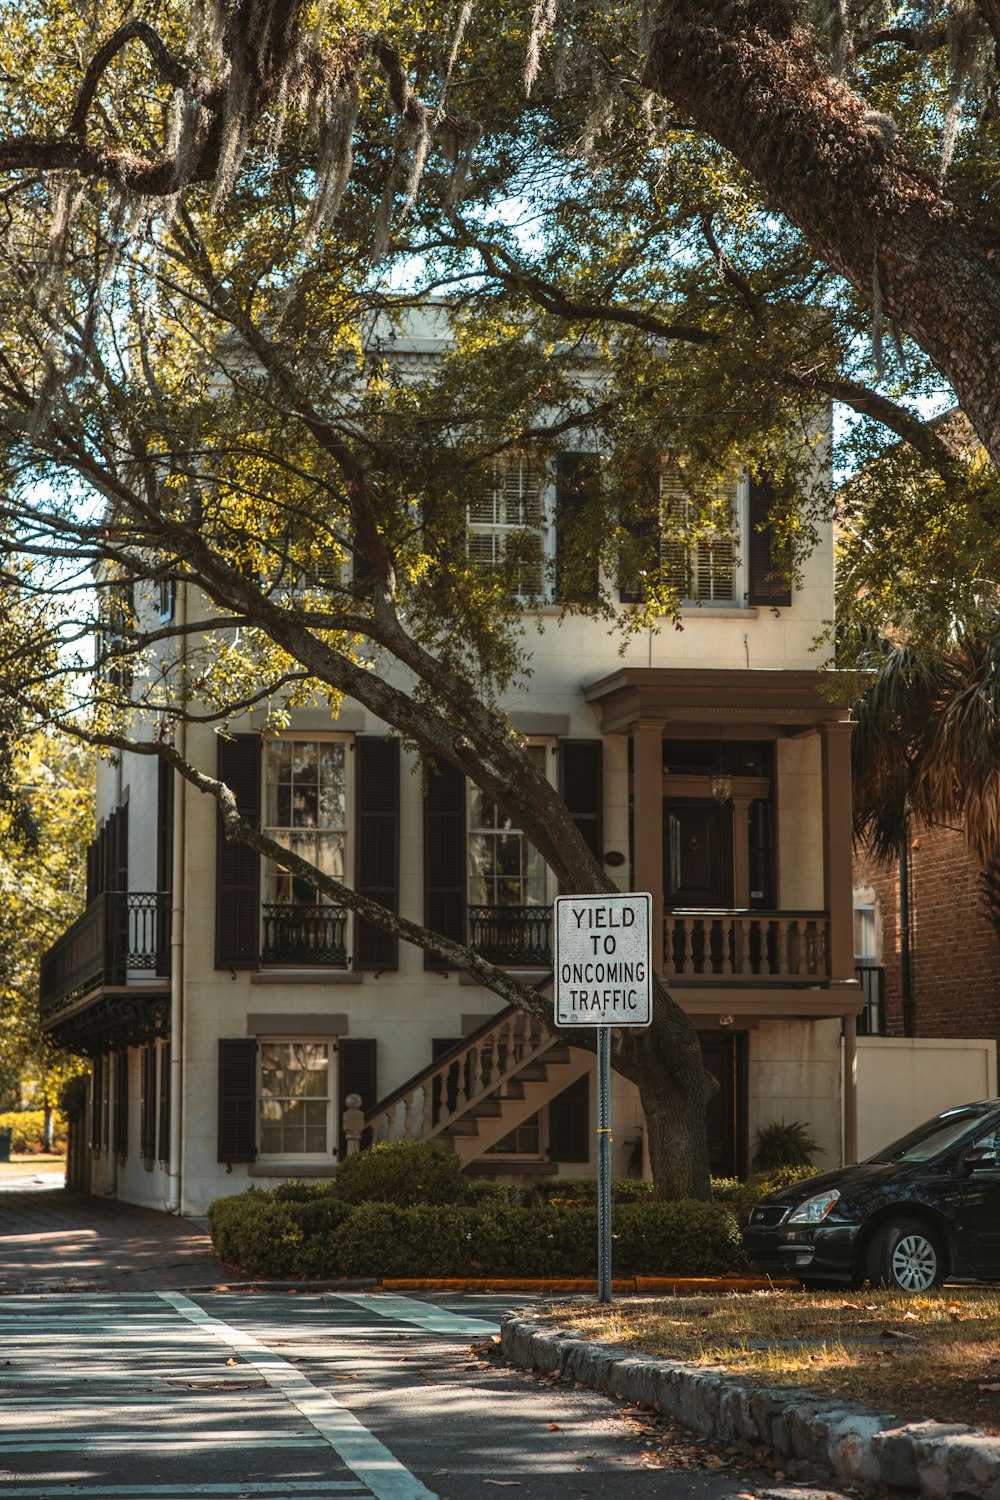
(698, 853)
(724, 1054)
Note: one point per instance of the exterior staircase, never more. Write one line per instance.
(481, 1088)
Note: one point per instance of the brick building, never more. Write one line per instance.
(927, 953)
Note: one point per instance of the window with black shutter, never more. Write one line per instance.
(120, 1133)
(237, 867)
(237, 1136)
(358, 1075)
(644, 525)
(147, 1103)
(765, 583)
(97, 1102)
(577, 550)
(445, 856)
(376, 770)
(163, 1112)
(164, 826)
(581, 785)
(569, 1122)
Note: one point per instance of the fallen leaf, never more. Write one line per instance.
(554, 1427)
(232, 1361)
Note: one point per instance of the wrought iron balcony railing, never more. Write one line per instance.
(512, 936)
(304, 936)
(121, 935)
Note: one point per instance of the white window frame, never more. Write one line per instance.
(548, 746)
(694, 554)
(330, 1151)
(516, 502)
(272, 829)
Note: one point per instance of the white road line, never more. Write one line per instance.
(302, 1489)
(120, 1442)
(360, 1450)
(408, 1310)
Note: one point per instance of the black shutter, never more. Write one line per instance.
(577, 580)
(96, 1100)
(163, 1121)
(569, 1122)
(147, 1103)
(377, 786)
(581, 786)
(762, 587)
(445, 856)
(237, 1100)
(645, 525)
(237, 867)
(358, 1075)
(164, 826)
(120, 1142)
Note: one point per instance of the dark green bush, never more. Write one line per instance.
(298, 1231)
(403, 1173)
(584, 1190)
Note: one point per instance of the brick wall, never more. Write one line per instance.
(954, 950)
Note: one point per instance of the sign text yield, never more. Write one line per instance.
(603, 969)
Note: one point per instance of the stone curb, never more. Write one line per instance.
(849, 1443)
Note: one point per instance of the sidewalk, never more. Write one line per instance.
(51, 1240)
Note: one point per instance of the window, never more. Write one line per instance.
(865, 949)
(504, 868)
(296, 1098)
(699, 536)
(508, 528)
(306, 812)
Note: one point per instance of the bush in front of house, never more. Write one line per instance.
(584, 1190)
(402, 1173)
(296, 1232)
(27, 1128)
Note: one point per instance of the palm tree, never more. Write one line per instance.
(928, 742)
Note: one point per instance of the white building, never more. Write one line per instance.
(229, 1012)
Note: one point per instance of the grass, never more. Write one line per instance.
(934, 1357)
(21, 1165)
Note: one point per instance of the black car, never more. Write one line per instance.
(923, 1209)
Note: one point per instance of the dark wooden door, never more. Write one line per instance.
(724, 1054)
(698, 852)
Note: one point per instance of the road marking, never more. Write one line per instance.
(360, 1450)
(408, 1310)
(302, 1489)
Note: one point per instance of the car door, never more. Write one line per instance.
(979, 1211)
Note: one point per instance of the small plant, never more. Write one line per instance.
(402, 1173)
(783, 1144)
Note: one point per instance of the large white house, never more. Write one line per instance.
(229, 1012)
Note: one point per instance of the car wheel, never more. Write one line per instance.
(907, 1256)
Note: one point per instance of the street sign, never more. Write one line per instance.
(603, 960)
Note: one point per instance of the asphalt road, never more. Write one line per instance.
(276, 1396)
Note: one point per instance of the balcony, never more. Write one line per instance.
(122, 935)
(513, 937)
(304, 936)
(747, 948)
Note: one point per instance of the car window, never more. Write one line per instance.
(932, 1137)
(988, 1142)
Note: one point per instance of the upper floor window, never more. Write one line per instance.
(699, 536)
(508, 527)
(305, 802)
(505, 869)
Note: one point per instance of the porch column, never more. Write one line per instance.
(850, 1090)
(835, 739)
(647, 821)
(741, 852)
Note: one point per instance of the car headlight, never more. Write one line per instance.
(813, 1210)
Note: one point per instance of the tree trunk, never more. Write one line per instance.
(752, 77)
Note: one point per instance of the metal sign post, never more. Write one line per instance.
(603, 978)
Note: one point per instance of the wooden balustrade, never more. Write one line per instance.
(747, 947)
(467, 1073)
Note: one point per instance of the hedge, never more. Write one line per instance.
(300, 1232)
(740, 1197)
(27, 1127)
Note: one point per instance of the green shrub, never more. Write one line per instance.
(584, 1190)
(301, 1231)
(27, 1127)
(403, 1173)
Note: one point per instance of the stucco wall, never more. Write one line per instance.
(904, 1080)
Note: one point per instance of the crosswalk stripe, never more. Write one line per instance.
(302, 1489)
(409, 1310)
(360, 1450)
